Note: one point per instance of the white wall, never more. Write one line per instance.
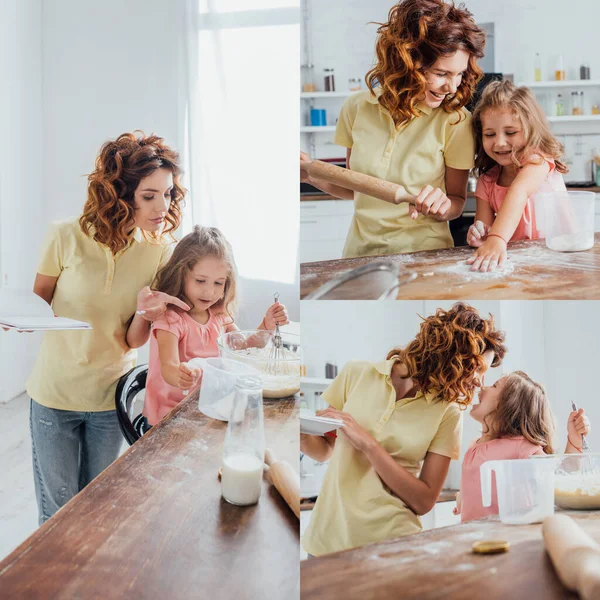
(109, 67)
(21, 189)
(556, 343)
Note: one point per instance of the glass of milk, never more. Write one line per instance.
(244, 447)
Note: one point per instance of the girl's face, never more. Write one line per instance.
(152, 199)
(205, 283)
(502, 134)
(444, 77)
(488, 400)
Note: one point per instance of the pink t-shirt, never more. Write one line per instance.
(470, 483)
(494, 194)
(194, 341)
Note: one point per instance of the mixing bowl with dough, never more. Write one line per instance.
(577, 481)
(255, 348)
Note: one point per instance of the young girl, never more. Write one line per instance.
(201, 273)
(516, 157)
(517, 423)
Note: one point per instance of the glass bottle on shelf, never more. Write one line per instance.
(596, 109)
(584, 70)
(309, 79)
(559, 107)
(244, 446)
(559, 74)
(538, 67)
(329, 80)
(576, 103)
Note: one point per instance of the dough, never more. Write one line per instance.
(490, 547)
(582, 498)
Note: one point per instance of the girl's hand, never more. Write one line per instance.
(188, 376)
(490, 255)
(357, 436)
(276, 315)
(151, 305)
(577, 425)
(477, 234)
(430, 201)
(304, 159)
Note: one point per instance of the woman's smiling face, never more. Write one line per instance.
(444, 77)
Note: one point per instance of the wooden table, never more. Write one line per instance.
(153, 525)
(538, 274)
(438, 564)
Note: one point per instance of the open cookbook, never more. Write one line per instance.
(25, 311)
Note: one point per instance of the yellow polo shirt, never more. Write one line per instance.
(79, 370)
(413, 155)
(355, 507)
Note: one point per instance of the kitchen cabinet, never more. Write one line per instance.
(324, 225)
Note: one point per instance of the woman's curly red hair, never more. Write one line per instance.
(417, 33)
(120, 166)
(447, 353)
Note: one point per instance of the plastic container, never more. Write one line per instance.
(217, 385)
(566, 220)
(244, 446)
(525, 488)
(254, 348)
(577, 481)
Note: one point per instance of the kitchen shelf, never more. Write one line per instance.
(568, 83)
(327, 94)
(318, 128)
(574, 118)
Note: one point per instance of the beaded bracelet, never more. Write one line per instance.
(498, 236)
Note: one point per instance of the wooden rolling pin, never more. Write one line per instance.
(285, 479)
(575, 555)
(357, 182)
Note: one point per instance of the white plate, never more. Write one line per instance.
(313, 425)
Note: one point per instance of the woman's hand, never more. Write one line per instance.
(151, 305)
(477, 234)
(577, 425)
(490, 255)
(276, 315)
(430, 201)
(304, 159)
(357, 436)
(188, 376)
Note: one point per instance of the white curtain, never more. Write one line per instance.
(239, 100)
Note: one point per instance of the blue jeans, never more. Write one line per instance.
(69, 449)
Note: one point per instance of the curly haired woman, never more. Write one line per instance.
(92, 269)
(411, 128)
(402, 426)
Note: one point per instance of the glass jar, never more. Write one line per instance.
(559, 73)
(354, 84)
(576, 104)
(559, 107)
(329, 80)
(244, 447)
(595, 109)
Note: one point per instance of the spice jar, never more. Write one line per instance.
(354, 84)
(576, 104)
(559, 73)
(595, 109)
(329, 80)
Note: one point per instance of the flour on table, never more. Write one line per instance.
(462, 268)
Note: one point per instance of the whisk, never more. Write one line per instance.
(277, 363)
(589, 465)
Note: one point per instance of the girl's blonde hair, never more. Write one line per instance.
(200, 243)
(523, 410)
(524, 106)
